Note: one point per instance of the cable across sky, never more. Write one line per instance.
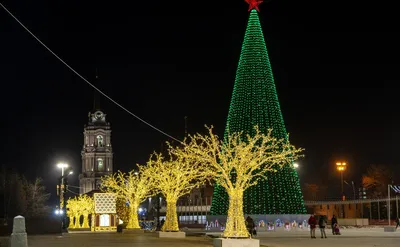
(90, 84)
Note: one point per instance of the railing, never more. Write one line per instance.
(339, 202)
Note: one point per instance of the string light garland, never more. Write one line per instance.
(134, 187)
(255, 102)
(238, 163)
(174, 176)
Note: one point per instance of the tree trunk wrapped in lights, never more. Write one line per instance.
(173, 177)
(235, 213)
(237, 163)
(133, 224)
(172, 223)
(71, 221)
(77, 221)
(85, 223)
(132, 186)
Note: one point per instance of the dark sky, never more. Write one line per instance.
(335, 64)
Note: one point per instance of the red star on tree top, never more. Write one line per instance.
(253, 4)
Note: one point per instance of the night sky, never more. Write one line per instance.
(335, 65)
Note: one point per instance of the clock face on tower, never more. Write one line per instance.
(98, 115)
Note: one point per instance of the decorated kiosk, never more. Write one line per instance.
(105, 212)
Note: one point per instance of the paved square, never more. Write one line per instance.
(374, 237)
(365, 237)
(114, 240)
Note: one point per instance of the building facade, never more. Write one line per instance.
(349, 211)
(97, 154)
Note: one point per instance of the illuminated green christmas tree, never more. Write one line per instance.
(255, 102)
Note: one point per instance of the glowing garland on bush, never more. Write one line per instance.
(255, 102)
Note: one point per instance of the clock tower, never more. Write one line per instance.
(97, 155)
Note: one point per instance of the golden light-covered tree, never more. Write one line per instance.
(73, 211)
(236, 163)
(173, 177)
(77, 206)
(86, 208)
(132, 186)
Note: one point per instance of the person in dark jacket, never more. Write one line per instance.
(333, 223)
(312, 222)
(322, 223)
(162, 223)
(250, 225)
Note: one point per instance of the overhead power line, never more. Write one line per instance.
(90, 84)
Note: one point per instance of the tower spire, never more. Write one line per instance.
(96, 98)
(186, 133)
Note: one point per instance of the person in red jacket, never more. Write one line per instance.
(312, 222)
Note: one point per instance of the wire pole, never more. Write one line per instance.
(388, 207)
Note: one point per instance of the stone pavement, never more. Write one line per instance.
(365, 237)
(349, 238)
(115, 240)
(298, 238)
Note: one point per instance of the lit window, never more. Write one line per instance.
(100, 141)
(104, 220)
(100, 166)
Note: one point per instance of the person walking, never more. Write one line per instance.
(162, 223)
(333, 223)
(312, 222)
(397, 222)
(250, 225)
(322, 223)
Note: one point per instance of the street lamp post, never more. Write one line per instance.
(341, 167)
(388, 204)
(63, 192)
(62, 166)
(354, 190)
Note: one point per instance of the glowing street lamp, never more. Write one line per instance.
(63, 191)
(59, 212)
(341, 167)
(295, 165)
(62, 166)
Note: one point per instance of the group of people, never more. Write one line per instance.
(322, 222)
(312, 221)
